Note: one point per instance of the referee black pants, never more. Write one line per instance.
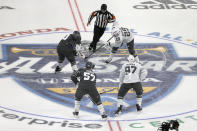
(98, 32)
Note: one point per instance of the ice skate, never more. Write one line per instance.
(57, 69)
(104, 117)
(118, 111)
(139, 108)
(76, 114)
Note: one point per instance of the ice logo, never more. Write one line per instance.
(32, 66)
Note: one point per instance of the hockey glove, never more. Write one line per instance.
(81, 55)
(75, 52)
(79, 51)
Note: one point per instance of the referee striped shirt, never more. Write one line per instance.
(102, 19)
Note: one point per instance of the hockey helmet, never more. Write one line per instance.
(76, 32)
(131, 58)
(77, 36)
(104, 7)
(115, 31)
(90, 65)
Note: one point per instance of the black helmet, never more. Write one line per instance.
(76, 32)
(90, 65)
(77, 36)
(104, 7)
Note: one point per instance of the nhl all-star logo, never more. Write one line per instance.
(167, 4)
(32, 66)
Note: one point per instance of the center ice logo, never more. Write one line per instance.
(33, 67)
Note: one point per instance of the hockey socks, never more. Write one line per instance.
(120, 102)
(77, 106)
(101, 109)
(139, 101)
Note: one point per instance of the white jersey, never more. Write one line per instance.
(125, 36)
(132, 73)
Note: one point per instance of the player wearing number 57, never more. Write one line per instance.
(87, 85)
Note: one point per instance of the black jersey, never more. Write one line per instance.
(87, 77)
(70, 40)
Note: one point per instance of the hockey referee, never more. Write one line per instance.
(103, 17)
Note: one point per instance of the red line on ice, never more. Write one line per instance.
(73, 15)
(119, 127)
(81, 18)
(109, 124)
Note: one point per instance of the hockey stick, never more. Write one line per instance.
(108, 90)
(98, 48)
(102, 93)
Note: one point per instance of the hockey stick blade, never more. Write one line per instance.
(98, 48)
(108, 90)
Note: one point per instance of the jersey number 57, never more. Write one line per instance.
(89, 76)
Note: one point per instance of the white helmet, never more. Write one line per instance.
(131, 59)
(115, 31)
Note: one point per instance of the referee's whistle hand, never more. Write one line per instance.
(106, 21)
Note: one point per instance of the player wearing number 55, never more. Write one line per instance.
(122, 35)
(87, 85)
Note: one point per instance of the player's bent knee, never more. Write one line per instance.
(139, 93)
(139, 96)
(77, 99)
(120, 97)
(98, 101)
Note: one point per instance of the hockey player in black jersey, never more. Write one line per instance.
(69, 47)
(87, 85)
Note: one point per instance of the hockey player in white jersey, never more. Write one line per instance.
(131, 75)
(122, 35)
